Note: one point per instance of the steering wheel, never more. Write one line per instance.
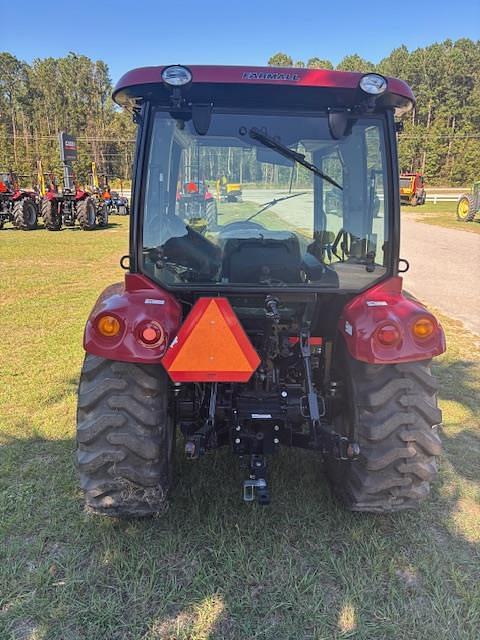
(243, 224)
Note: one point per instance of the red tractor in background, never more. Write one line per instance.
(67, 206)
(283, 326)
(71, 204)
(197, 205)
(18, 206)
(412, 189)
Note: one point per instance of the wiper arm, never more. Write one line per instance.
(273, 202)
(284, 151)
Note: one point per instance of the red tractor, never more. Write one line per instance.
(282, 326)
(196, 205)
(67, 206)
(71, 204)
(18, 206)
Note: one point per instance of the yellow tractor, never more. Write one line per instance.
(412, 189)
(228, 191)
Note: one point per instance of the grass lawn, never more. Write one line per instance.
(212, 567)
(442, 214)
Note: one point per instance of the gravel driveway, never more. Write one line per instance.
(444, 269)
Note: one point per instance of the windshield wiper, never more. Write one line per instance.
(286, 152)
(273, 202)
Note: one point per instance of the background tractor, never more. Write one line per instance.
(228, 191)
(101, 194)
(412, 189)
(197, 205)
(468, 204)
(284, 324)
(108, 202)
(18, 206)
(71, 204)
(66, 206)
(119, 204)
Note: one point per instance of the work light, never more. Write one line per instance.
(176, 76)
(374, 84)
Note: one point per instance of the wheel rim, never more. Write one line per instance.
(463, 208)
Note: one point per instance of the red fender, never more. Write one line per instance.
(385, 304)
(81, 195)
(134, 303)
(18, 195)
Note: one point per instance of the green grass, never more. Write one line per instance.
(212, 567)
(442, 214)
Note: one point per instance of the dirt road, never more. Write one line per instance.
(444, 269)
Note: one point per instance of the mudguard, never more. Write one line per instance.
(384, 304)
(133, 303)
(18, 195)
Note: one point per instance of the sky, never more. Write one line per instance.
(146, 32)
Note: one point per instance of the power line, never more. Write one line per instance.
(132, 141)
(79, 139)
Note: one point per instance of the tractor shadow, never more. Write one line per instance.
(111, 225)
(214, 567)
(41, 227)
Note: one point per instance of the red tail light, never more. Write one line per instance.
(388, 335)
(151, 334)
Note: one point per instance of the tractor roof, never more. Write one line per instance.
(229, 86)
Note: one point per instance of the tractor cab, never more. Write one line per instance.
(320, 211)
(275, 319)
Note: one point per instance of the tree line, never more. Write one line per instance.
(50, 95)
(441, 136)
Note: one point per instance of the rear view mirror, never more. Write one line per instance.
(338, 124)
(201, 118)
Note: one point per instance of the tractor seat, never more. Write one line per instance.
(253, 257)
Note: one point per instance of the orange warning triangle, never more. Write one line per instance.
(211, 346)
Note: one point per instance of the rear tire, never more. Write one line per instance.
(391, 411)
(211, 215)
(87, 214)
(466, 208)
(25, 214)
(102, 216)
(50, 214)
(125, 437)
